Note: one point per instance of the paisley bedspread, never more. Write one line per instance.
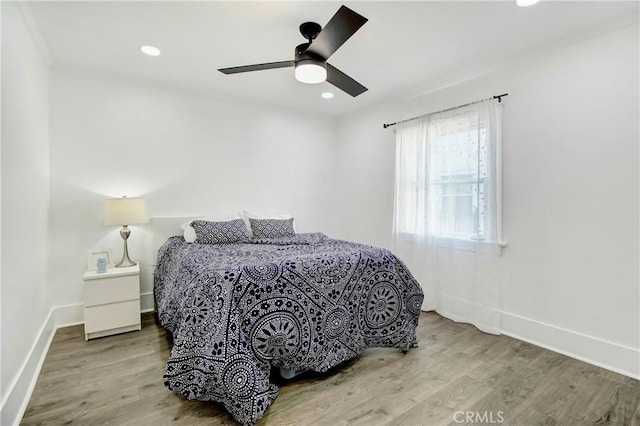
(236, 310)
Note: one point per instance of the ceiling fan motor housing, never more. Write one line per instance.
(309, 67)
(301, 54)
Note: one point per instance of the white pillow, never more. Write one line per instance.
(253, 215)
(190, 233)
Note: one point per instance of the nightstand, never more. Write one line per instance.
(111, 302)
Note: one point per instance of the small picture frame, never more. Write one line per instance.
(95, 255)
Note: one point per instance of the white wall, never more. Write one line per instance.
(185, 153)
(25, 203)
(571, 192)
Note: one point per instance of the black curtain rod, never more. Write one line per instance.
(498, 97)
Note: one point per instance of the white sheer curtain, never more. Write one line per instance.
(447, 210)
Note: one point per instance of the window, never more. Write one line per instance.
(448, 176)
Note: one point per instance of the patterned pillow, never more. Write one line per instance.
(232, 231)
(272, 228)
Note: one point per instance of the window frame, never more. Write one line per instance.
(480, 236)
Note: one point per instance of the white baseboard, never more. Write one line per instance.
(486, 319)
(68, 315)
(602, 353)
(14, 402)
(146, 302)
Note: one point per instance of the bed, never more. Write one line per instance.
(301, 302)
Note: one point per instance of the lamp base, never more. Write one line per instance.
(125, 262)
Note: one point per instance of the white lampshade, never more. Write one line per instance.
(125, 211)
(311, 71)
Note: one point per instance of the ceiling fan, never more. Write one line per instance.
(310, 60)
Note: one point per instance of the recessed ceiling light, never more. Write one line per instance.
(150, 50)
(327, 95)
(525, 3)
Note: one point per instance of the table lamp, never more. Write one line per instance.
(125, 211)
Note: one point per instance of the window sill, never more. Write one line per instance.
(464, 244)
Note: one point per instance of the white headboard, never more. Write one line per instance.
(146, 253)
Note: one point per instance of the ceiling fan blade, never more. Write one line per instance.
(344, 82)
(338, 30)
(256, 67)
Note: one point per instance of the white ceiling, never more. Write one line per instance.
(406, 47)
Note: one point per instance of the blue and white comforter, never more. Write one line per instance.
(307, 302)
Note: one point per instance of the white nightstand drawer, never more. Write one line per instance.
(113, 315)
(114, 289)
(111, 301)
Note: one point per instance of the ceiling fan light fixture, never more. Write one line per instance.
(311, 71)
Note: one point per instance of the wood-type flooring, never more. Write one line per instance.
(458, 375)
